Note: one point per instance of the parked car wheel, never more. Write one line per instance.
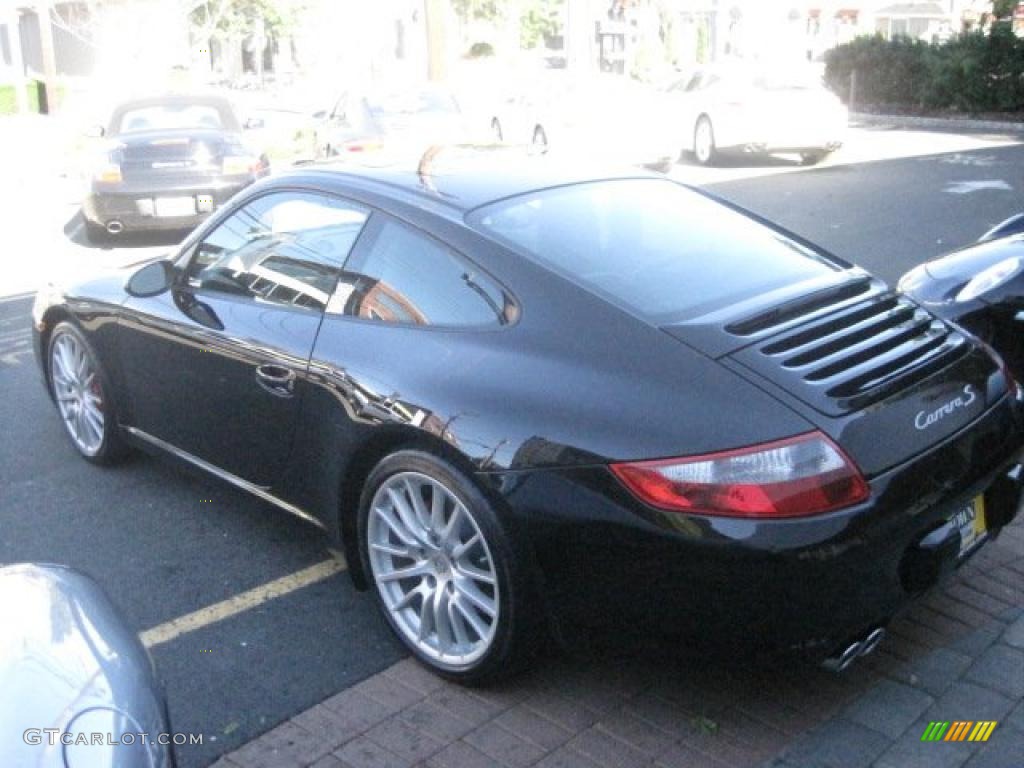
(443, 570)
(704, 141)
(813, 158)
(82, 394)
(540, 138)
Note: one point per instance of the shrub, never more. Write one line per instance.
(479, 50)
(973, 72)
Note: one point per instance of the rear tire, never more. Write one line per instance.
(96, 234)
(443, 570)
(82, 394)
(704, 149)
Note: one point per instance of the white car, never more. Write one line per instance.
(604, 118)
(756, 110)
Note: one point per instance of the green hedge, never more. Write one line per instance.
(973, 72)
(9, 101)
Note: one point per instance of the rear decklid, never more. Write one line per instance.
(884, 377)
(176, 154)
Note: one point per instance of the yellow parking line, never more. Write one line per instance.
(211, 614)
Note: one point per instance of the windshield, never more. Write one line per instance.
(653, 246)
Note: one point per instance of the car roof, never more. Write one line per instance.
(176, 99)
(455, 180)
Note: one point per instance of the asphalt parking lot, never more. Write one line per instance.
(166, 543)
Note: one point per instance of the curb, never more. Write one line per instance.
(963, 124)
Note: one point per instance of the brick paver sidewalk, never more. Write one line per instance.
(958, 655)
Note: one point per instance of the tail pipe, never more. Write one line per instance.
(855, 650)
(115, 227)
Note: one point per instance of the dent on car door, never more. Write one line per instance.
(217, 367)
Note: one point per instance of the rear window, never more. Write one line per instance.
(653, 246)
(164, 117)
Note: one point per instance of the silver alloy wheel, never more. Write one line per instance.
(76, 387)
(704, 141)
(433, 569)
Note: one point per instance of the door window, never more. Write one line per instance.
(283, 248)
(402, 275)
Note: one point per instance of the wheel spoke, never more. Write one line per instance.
(470, 591)
(406, 515)
(471, 618)
(475, 573)
(406, 600)
(426, 619)
(396, 527)
(442, 621)
(94, 420)
(460, 549)
(420, 568)
(391, 549)
(415, 495)
(437, 499)
(453, 521)
(458, 623)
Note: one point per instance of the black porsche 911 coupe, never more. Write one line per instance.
(527, 399)
(168, 163)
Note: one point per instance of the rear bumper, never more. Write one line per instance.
(133, 203)
(806, 585)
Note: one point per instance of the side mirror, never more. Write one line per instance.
(152, 280)
(95, 132)
(254, 123)
(320, 115)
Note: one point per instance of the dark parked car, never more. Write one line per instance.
(525, 397)
(78, 687)
(400, 121)
(981, 288)
(168, 163)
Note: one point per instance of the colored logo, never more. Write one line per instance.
(959, 730)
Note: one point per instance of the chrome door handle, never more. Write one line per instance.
(276, 379)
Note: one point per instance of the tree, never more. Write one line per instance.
(241, 18)
(477, 10)
(540, 19)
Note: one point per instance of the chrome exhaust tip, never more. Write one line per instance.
(115, 227)
(854, 651)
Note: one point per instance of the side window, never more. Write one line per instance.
(282, 248)
(404, 276)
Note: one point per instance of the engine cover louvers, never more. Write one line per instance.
(844, 360)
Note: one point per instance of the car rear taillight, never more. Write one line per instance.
(363, 146)
(108, 172)
(803, 475)
(238, 165)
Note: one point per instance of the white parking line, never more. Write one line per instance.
(211, 614)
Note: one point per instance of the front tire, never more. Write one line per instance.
(813, 158)
(443, 570)
(704, 142)
(82, 394)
